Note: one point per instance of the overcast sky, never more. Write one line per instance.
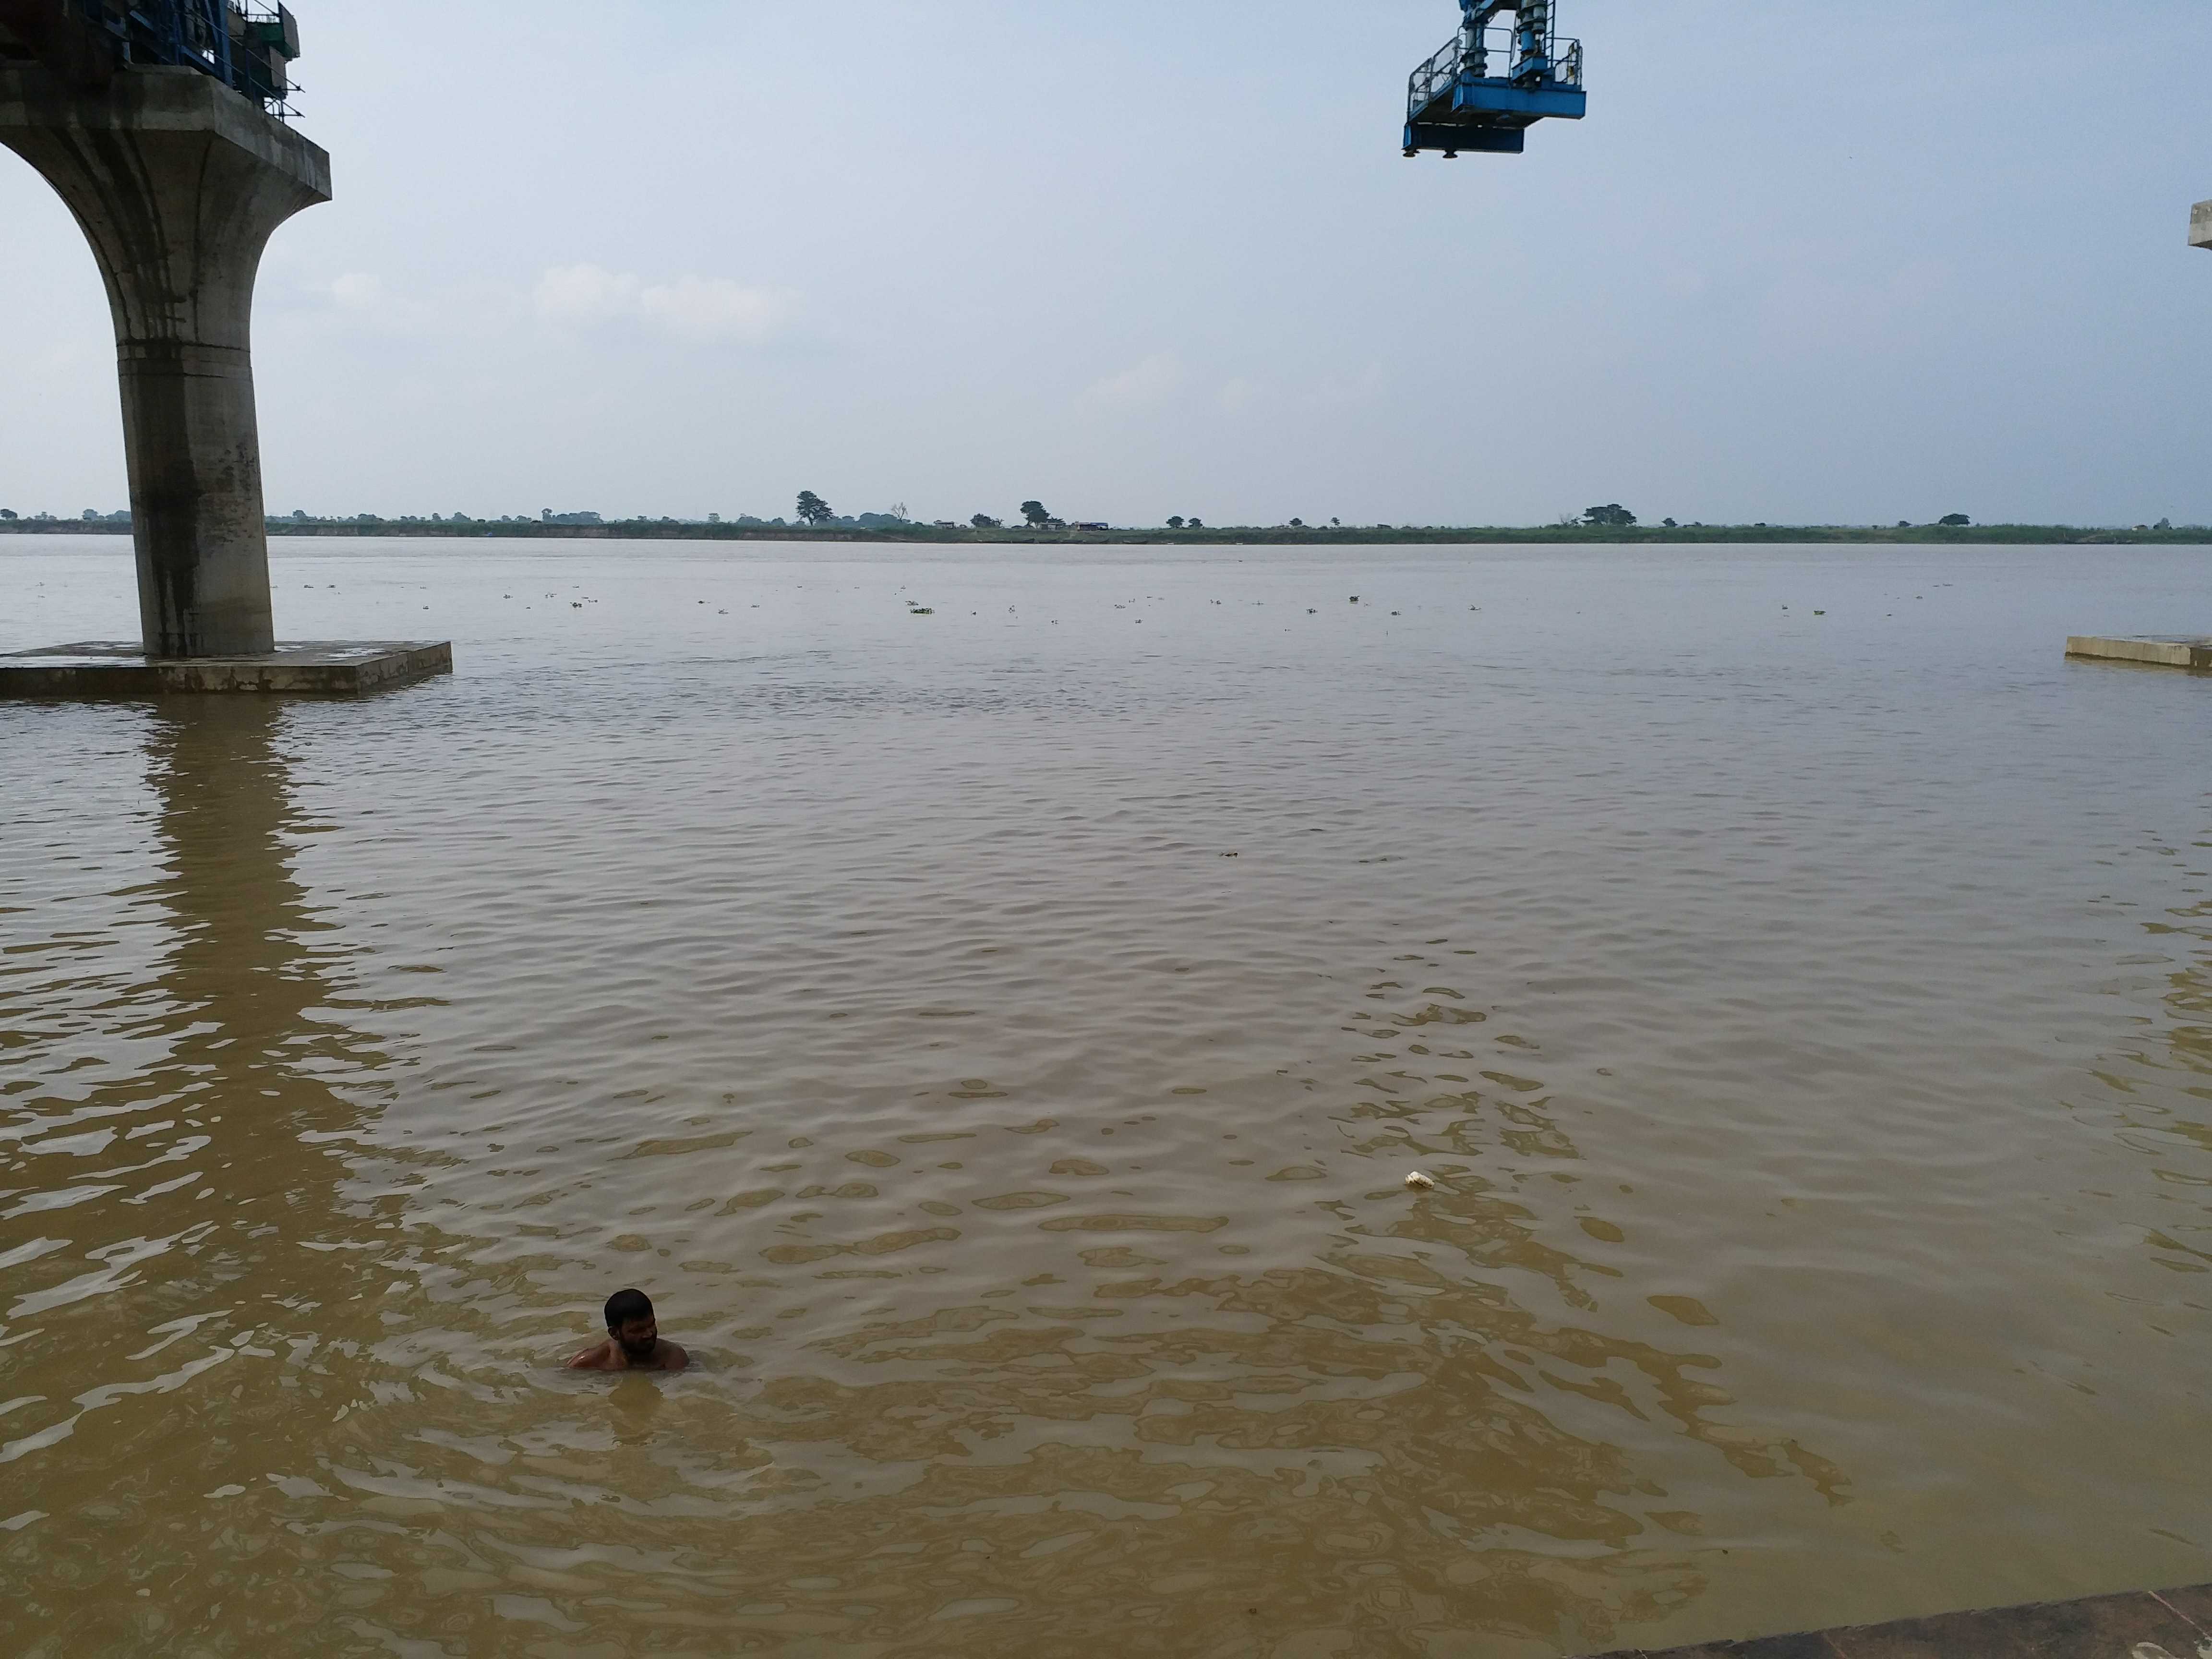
(1803, 262)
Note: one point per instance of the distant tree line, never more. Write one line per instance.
(1610, 521)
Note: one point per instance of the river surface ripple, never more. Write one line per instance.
(997, 1038)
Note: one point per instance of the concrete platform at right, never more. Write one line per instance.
(2165, 1624)
(2164, 650)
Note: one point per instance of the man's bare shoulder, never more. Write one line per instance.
(609, 1357)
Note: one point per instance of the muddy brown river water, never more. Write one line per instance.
(997, 1039)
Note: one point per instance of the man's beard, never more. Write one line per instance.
(638, 1350)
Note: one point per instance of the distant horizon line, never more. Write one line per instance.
(884, 528)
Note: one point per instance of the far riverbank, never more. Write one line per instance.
(1227, 536)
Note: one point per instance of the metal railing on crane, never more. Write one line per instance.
(247, 45)
(1489, 83)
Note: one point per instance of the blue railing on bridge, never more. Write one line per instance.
(1467, 59)
(248, 47)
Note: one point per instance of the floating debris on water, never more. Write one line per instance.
(1420, 1184)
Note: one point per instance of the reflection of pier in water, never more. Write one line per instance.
(186, 1266)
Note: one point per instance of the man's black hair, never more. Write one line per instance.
(623, 1306)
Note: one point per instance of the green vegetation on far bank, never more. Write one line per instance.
(1188, 535)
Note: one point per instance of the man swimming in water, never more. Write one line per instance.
(633, 1341)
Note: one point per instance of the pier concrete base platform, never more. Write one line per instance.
(306, 668)
(2167, 1625)
(2171, 652)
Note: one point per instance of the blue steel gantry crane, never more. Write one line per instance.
(85, 44)
(1453, 101)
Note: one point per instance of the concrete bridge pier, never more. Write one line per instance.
(178, 182)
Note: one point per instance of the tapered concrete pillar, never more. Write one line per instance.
(178, 182)
(2200, 225)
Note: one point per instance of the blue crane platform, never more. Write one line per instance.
(249, 47)
(1454, 102)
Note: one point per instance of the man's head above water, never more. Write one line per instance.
(633, 1341)
(631, 1323)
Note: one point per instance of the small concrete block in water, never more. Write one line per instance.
(2200, 225)
(2176, 1624)
(308, 667)
(2170, 653)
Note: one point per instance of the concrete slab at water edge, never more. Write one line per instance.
(2183, 651)
(303, 668)
(2174, 1624)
